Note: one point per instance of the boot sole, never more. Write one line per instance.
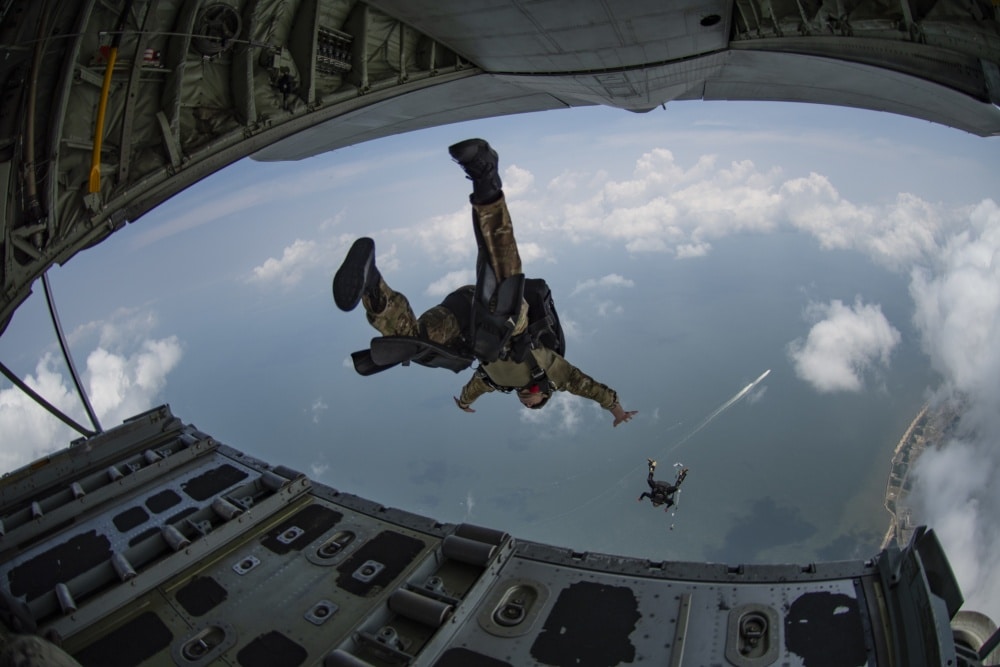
(349, 281)
(466, 149)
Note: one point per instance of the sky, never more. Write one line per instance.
(852, 253)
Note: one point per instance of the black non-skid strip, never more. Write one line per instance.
(394, 551)
(272, 650)
(201, 595)
(213, 482)
(313, 520)
(61, 563)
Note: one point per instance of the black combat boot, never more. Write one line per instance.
(480, 164)
(358, 276)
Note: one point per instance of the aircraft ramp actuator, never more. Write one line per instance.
(153, 543)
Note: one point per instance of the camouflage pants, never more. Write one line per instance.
(439, 324)
(442, 324)
(495, 237)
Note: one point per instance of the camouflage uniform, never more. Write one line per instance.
(33, 651)
(562, 375)
(495, 237)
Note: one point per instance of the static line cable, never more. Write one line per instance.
(37, 398)
(66, 354)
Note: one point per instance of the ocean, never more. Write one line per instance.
(785, 474)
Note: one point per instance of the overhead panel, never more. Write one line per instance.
(555, 36)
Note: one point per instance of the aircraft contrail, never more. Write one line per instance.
(725, 406)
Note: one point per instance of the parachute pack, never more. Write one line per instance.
(489, 340)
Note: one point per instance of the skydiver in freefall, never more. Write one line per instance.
(505, 322)
(662, 493)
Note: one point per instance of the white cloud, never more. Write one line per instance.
(29, 430)
(689, 250)
(895, 235)
(516, 181)
(124, 375)
(531, 255)
(609, 281)
(123, 385)
(317, 409)
(304, 258)
(958, 305)
(757, 394)
(450, 282)
(334, 221)
(662, 207)
(562, 413)
(957, 297)
(571, 328)
(667, 208)
(448, 237)
(608, 308)
(289, 269)
(843, 344)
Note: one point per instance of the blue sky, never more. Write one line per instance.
(645, 226)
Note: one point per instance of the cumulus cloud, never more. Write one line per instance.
(894, 235)
(843, 345)
(608, 308)
(532, 254)
(290, 267)
(957, 298)
(303, 258)
(666, 207)
(663, 206)
(30, 431)
(121, 385)
(516, 181)
(124, 375)
(609, 281)
(448, 237)
(562, 413)
(689, 250)
(450, 282)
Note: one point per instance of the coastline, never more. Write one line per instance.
(908, 450)
(928, 429)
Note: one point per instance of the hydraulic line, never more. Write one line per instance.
(94, 184)
(34, 209)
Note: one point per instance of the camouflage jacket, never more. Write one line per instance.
(563, 376)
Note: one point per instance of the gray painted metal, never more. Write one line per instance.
(350, 582)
